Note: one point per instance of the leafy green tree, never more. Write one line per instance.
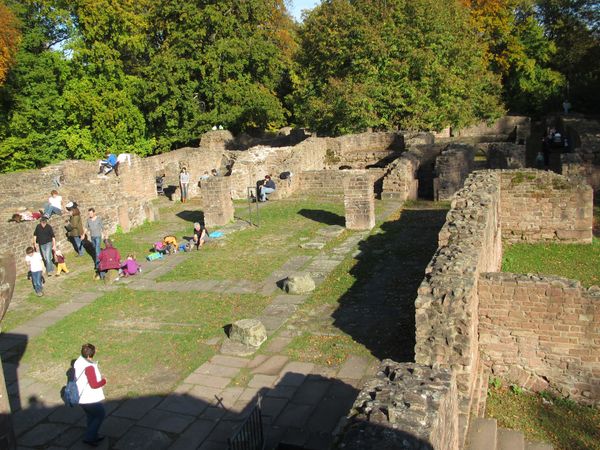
(389, 64)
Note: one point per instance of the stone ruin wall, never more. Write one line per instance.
(584, 161)
(544, 206)
(400, 181)
(452, 167)
(121, 201)
(504, 155)
(7, 285)
(359, 200)
(541, 332)
(516, 127)
(448, 305)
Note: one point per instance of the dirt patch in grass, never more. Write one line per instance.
(147, 341)
(563, 423)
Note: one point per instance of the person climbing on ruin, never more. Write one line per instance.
(93, 230)
(268, 187)
(200, 235)
(90, 385)
(110, 163)
(74, 228)
(54, 205)
(109, 262)
(45, 241)
(184, 182)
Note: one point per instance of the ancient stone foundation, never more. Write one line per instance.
(543, 206)
(452, 168)
(405, 406)
(542, 333)
(401, 182)
(216, 200)
(359, 200)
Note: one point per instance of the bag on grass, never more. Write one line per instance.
(215, 234)
(154, 256)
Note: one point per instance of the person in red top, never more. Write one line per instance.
(109, 262)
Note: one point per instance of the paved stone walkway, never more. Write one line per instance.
(302, 403)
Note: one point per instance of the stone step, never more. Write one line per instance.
(482, 434)
(537, 446)
(510, 440)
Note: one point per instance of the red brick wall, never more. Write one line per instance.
(542, 333)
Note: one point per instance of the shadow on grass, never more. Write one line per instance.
(321, 216)
(191, 216)
(378, 310)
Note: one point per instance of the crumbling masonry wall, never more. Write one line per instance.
(452, 167)
(542, 333)
(216, 201)
(359, 200)
(400, 181)
(544, 206)
(405, 406)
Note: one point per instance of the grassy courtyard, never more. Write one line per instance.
(563, 423)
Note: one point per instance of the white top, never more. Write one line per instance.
(36, 264)
(87, 395)
(184, 177)
(55, 201)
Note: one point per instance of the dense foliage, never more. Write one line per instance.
(146, 76)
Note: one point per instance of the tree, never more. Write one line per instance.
(389, 64)
(9, 40)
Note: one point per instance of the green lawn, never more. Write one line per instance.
(253, 253)
(147, 341)
(577, 261)
(563, 423)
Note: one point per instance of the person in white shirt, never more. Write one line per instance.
(54, 205)
(184, 182)
(36, 268)
(90, 385)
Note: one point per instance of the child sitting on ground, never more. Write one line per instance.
(131, 266)
(61, 265)
(36, 267)
(170, 243)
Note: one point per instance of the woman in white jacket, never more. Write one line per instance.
(89, 384)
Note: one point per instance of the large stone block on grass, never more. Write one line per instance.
(298, 284)
(248, 332)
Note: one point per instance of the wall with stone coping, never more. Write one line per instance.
(447, 301)
(544, 206)
(542, 333)
(517, 127)
(452, 167)
(406, 405)
(400, 181)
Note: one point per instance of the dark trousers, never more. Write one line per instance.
(95, 416)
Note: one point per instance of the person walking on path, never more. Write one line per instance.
(93, 230)
(184, 182)
(36, 268)
(75, 228)
(45, 242)
(90, 385)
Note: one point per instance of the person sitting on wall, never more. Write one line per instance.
(268, 187)
(214, 172)
(110, 163)
(54, 205)
(109, 262)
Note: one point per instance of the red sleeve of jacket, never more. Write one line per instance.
(90, 373)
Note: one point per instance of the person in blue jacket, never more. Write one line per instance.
(108, 164)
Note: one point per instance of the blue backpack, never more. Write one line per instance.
(72, 393)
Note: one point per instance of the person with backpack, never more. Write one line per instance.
(90, 385)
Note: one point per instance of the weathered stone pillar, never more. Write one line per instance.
(8, 272)
(216, 199)
(359, 200)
